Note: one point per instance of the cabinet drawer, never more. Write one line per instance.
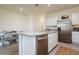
(75, 36)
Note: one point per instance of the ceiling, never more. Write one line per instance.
(31, 8)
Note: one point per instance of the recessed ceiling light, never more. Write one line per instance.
(49, 4)
(21, 9)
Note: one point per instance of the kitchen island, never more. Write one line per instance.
(37, 43)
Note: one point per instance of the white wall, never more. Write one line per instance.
(13, 21)
(38, 22)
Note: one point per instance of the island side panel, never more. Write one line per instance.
(27, 45)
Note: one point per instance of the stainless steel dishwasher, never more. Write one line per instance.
(42, 44)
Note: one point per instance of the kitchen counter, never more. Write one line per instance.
(28, 42)
(35, 33)
(31, 33)
(49, 32)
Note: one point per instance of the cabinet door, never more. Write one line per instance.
(75, 37)
(75, 18)
(51, 20)
(56, 38)
(52, 41)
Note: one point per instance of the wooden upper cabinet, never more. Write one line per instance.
(75, 18)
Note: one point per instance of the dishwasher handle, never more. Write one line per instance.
(42, 38)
